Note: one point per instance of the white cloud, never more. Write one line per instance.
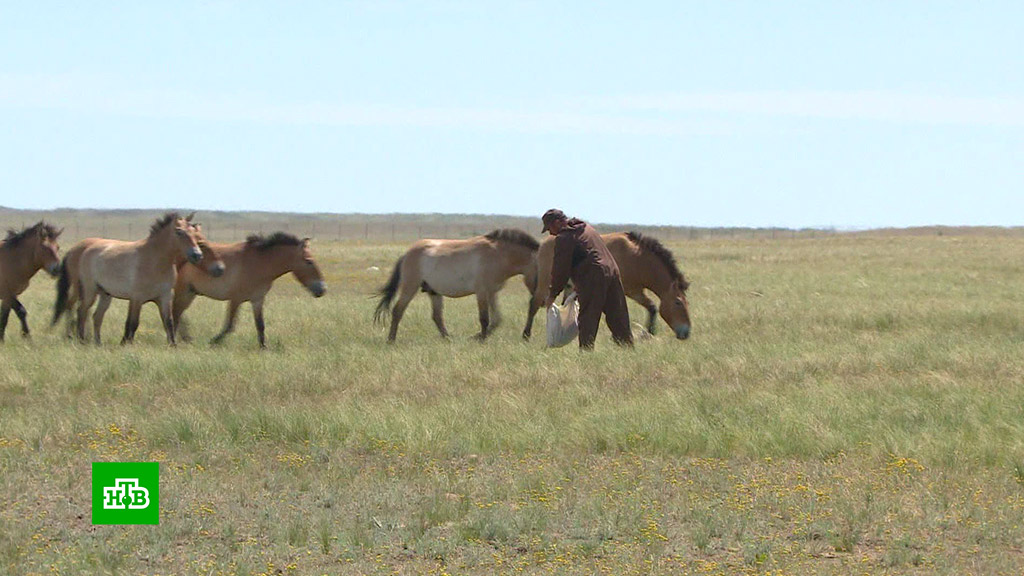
(100, 95)
(664, 114)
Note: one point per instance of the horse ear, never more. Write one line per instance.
(190, 216)
(305, 241)
(57, 233)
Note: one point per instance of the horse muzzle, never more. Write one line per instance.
(682, 331)
(195, 255)
(318, 288)
(53, 269)
(217, 270)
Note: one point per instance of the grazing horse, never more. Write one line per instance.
(22, 254)
(252, 267)
(457, 268)
(644, 263)
(140, 271)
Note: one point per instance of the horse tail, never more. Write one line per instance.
(387, 294)
(63, 287)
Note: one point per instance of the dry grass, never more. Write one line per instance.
(847, 405)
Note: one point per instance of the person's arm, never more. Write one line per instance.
(561, 267)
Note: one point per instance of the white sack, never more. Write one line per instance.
(563, 323)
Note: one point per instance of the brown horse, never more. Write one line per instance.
(211, 260)
(457, 268)
(252, 267)
(141, 271)
(22, 254)
(644, 263)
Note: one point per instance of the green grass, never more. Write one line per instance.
(846, 405)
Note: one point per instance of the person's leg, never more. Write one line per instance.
(590, 295)
(616, 313)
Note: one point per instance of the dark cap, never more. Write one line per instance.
(551, 216)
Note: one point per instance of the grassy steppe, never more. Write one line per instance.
(846, 405)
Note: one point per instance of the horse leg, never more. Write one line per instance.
(492, 303)
(182, 300)
(131, 323)
(88, 297)
(19, 309)
(482, 304)
(437, 309)
(97, 315)
(409, 288)
(536, 301)
(5, 312)
(164, 302)
(72, 300)
(648, 304)
(229, 322)
(257, 316)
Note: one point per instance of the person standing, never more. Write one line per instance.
(580, 254)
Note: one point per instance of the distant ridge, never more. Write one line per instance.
(233, 226)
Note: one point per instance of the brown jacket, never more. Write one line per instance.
(580, 254)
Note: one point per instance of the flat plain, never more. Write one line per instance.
(847, 404)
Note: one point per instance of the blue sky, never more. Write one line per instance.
(858, 114)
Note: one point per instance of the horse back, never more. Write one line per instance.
(241, 279)
(627, 258)
(122, 268)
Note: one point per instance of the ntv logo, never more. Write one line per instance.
(125, 492)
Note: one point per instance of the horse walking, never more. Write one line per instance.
(22, 254)
(252, 267)
(644, 264)
(457, 268)
(140, 271)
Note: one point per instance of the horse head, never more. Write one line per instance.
(47, 252)
(178, 236)
(306, 270)
(213, 265)
(675, 310)
(40, 241)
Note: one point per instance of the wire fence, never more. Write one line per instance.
(379, 232)
(371, 229)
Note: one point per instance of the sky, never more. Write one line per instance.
(719, 113)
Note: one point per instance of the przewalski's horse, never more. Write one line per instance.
(22, 254)
(212, 263)
(644, 263)
(457, 268)
(252, 267)
(140, 271)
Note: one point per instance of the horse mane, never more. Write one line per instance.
(514, 236)
(14, 238)
(162, 223)
(260, 242)
(655, 247)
